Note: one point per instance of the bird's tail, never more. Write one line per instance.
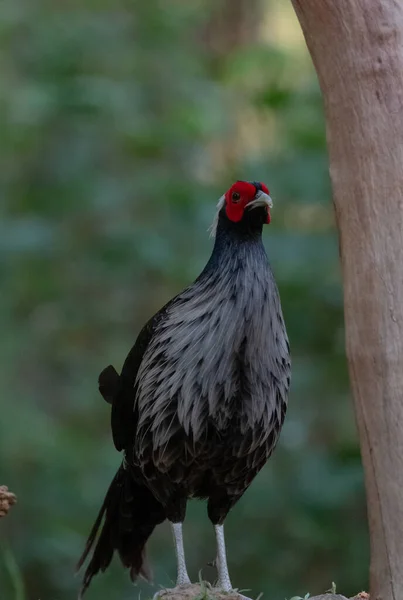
(129, 514)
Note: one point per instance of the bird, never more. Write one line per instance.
(201, 398)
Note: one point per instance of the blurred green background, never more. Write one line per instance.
(122, 122)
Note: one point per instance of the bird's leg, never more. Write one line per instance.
(183, 577)
(224, 581)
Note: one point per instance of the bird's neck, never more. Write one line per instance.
(236, 243)
(244, 231)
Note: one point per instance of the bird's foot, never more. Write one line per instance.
(224, 583)
(225, 586)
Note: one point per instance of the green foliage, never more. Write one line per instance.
(121, 126)
(14, 573)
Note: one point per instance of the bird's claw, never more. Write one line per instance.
(225, 589)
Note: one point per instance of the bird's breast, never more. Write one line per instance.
(218, 360)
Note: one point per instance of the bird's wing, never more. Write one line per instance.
(119, 390)
(123, 416)
(108, 383)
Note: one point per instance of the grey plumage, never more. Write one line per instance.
(202, 396)
(190, 373)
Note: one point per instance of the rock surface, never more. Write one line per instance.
(204, 591)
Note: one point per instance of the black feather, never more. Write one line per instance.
(200, 401)
(128, 516)
(108, 382)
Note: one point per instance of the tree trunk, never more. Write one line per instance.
(357, 50)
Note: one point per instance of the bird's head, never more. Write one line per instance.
(245, 202)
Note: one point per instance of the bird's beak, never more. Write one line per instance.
(261, 199)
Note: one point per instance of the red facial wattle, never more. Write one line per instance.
(237, 197)
(265, 189)
(268, 216)
(240, 195)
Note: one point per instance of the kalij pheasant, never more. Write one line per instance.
(201, 399)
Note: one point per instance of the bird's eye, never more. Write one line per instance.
(236, 196)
